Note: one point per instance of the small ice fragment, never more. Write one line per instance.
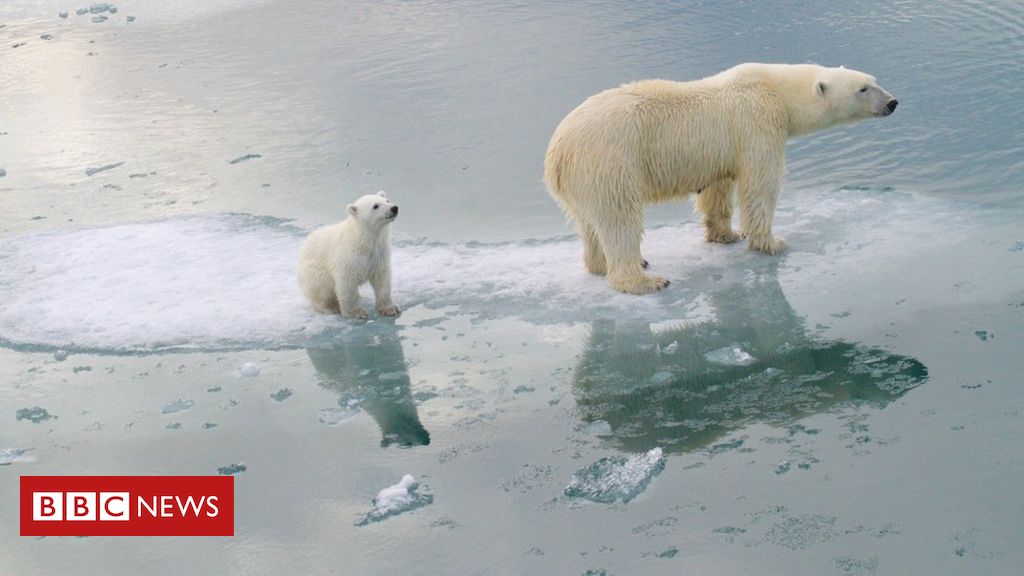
(112, 9)
(130, 19)
(783, 467)
(179, 405)
(730, 356)
(98, 7)
(11, 455)
(982, 335)
(335, 416)
(99, 18)
(3, 172)
(393, 500)
(34, 414)
(231, 469)
(616, 477)
(97, 170)
(281, 395)
(250, 369)
(390, 376)
(671, 348)
(46, 36)
(598, 428)
(244, 158)
(60, 355)
(661, 377)
(63, 14)
(81, 11)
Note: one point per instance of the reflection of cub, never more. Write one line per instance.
(336, 260)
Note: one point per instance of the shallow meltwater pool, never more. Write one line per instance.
(851, 407)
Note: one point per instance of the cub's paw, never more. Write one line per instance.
(389, 310)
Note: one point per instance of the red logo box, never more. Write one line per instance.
(127, 505)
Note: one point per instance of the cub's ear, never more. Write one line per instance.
(820, 87)
(382, 194)
(352, 209)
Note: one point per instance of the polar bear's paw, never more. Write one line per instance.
(771, 245)
(356, 314)
(720, 236)
(639, 284)
(389, 310)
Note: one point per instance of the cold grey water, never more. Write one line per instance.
(852, 407)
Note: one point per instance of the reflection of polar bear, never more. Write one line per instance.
(337, 259)
(656, 140)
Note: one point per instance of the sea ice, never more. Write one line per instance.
(11, 455)
(231, 469)
(104, 168)
(393, 500)
(179, 405)
(730, 356)
(598, 428)
(63, 14)
(99, 18)
(99, 7)
(34, 414)
(616, 477)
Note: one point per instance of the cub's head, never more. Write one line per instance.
(373, 210)
(850, 95)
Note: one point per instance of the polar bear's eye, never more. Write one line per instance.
(375, 206)
(864, 89)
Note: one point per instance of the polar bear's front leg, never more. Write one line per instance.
(759, 192)
(381, 281)
(347, 291)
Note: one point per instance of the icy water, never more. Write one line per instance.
(853, 407)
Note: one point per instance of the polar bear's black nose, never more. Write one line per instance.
(892, 105)
(394, 210)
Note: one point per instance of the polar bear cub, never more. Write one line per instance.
(336, 260)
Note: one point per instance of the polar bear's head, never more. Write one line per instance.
(849, 95)
(374, 210)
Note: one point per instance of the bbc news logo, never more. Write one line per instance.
(127, 505)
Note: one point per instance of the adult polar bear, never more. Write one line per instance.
(656, 140)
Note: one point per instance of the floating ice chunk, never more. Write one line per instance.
(104, 168)
(730, 356)
(616, 477)
(99, 7)
(231, 469)
(3, 172)
(63, 14)
(671, 348)
(250, 369)
(99, 18)
(244, 158)
(337, 415)
(34, 414)
(112, 9)
(393, 500)
(130, 19)
(11, 455)
(282, 394)
(60, 355)
(179, 405)
(598, 428)
(81, 11)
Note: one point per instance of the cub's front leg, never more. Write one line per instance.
(380, 280)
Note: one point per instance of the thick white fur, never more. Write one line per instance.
(657, 140)
(336, 260)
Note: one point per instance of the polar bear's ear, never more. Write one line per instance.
(382, 194)
(352, 209)
(820, 87)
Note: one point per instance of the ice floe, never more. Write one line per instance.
(394, 500)
(616, 477)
